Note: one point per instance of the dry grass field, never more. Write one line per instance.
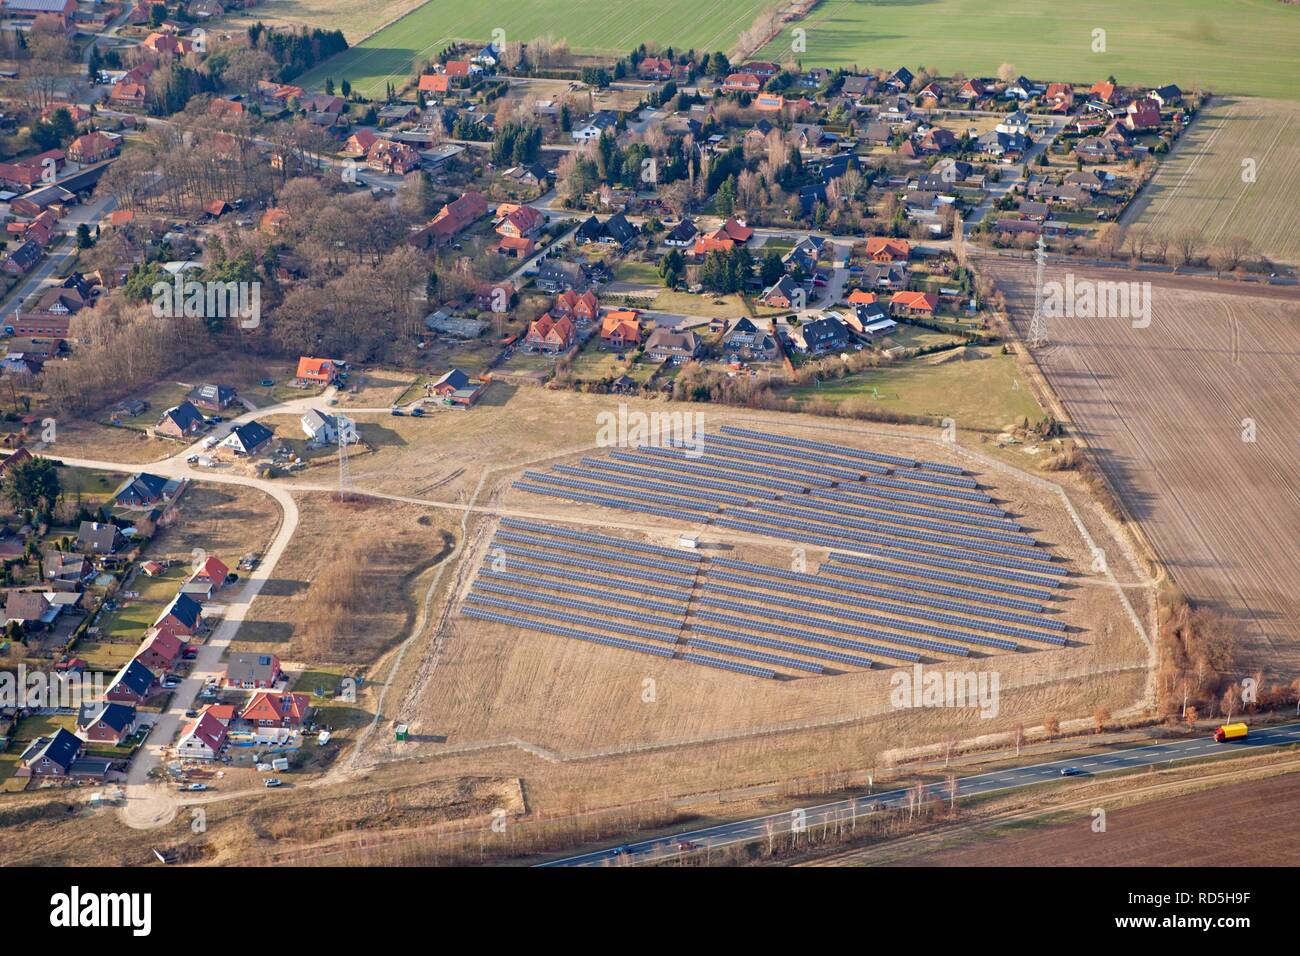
(1168, 410)
(1236, 172)
(356, 20)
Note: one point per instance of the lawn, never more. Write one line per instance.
(594, 363)
(134, 616)
(590, 26)
(1249, 47)
(89, 486)
(107, 658)
(984, 393)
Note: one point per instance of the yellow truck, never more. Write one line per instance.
(1230, 732)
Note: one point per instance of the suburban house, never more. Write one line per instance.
(884, 275)
(726, 237)
(180, 421)
(21, 260)
(457, 388)
(554, 275)
(29, 608)
(886, 249)
(52, 756)
(389, 157)
(323, 427)
(914, 303)
(247, 438)
(253, 671)
(316, 371)
(214, 398)
(108, 722)
(133, 684)
(1142, 114)
(288, 711)
(781, 294)
(359, 143)
(827, 334)
(453, 219)
(67, 567)
(1166, 96)
(744, 340)
(212, 571)
(96, 538)
(742, 83)
(202, 740)
(614, 231)
(595, 127)
(682, 235)
(141, 490)
(551, 335)
(93, 148)
(666, 345)
(582, 309)
(162, 649)
(183, 616)
(620, 329)
(518, 221)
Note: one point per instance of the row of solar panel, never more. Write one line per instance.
(654, 473)
(898, 553)
(484, 614)
(674, 564)
(767, 472)
(937, 478)
(903, 483)
(568, 617)
(512, 551)
(521, 564)
(844, 450)
(617, 494)
(720, 450)
(875, 620)
(780, 645)
(573, 604)
(979, 537)
(857, 504)
(879, 560)
(1003, 563)
(749, 669)
(594, 478)
(739, 622)
(876, 492)
(605, 502)
(822, 584)
(905, 611)
(561, 531)
(806, 632)
(820, 446)
(695, 468)
(799, 454)
(776, 660)
(605, 594)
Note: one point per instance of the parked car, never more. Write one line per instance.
(397, 411)
(271, 782)
(197, 787)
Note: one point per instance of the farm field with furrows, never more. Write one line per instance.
(1194, 422)
(589, 26)
(1236, 172)
(506, 684)
(356, 20)
(1248, 47)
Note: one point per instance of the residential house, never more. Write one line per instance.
(141, 490)
(668, 345)
(620, 329)
(106, 722)
(93, 148)
(316, 371)
(453, 219)
(180, 421)
(1015, 122)
(67, 567)
(551, 335)
(888, 249)
(1143, 114)
(31, 608)
(900, 80)
(96, 538)
(595, 126)
(827, 334)
(554, 275)
(1166, 96)
(320, 427)
(253, 671)
(163, 648)
(782, 294)
(20, 261)
(212, 572)
(923, 304)
(214, 398)
(581, 309)
(183, 616)
(204, 739)
(133, 684)
(359, 143)
(972, 90)
(745, 340)
(247, 438)
(51, 756)
(387, 156)
(730, 234)
(285, 711)
(742, 83)
(682, 235)
(518, 221)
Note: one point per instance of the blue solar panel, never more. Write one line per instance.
(812, 586)
(950, 481)
(616, 493)
(673, 565)
(559, 557)
(909, 568)
(914, 582)
(959, 493)
(775, 660)
(876, 620)
(939, 466)
(570, 574)
(780, 645)
(573, 604)
(734, 464)
(851, 503)
(603, 593)
(571, 495)
(820, 446)
(749, 669)
(723, 447)
(664, 475)
(693, 467)
(673, 490)
(876, 492)
(546, 627)
(568, 617)
(803, 634)
(563, 531)
(799, 454)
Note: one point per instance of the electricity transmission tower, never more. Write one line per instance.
(1038, 324)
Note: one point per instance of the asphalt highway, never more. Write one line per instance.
(758, 828)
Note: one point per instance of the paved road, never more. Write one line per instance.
(760, 828)
(58, 254)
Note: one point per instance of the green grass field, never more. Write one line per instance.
(987, 393)
(1228, 46)
(590, 26)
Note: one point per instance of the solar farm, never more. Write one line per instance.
(923, 563)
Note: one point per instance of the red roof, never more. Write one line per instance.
(919, 301)
(277, 708)
(211, 570)
(315, 369)
(209, 730)
(434, 83)
(164, 643)
(456, 67)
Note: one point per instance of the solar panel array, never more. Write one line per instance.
(923, 559)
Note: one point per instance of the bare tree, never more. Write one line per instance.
(1051, 726)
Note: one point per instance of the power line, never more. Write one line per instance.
(1038, 325)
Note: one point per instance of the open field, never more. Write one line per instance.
(976, 387)
(1201, 185)
(1243, 824)
(1248, 47)
(590, 26)
(356, 20)
(1169, 410)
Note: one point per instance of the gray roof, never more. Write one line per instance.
(60, 749)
